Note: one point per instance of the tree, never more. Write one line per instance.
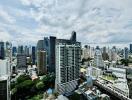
(13, 85)
(14, 91)
(37, 97)
(86, 60)
(40, 85)
(75, 96)
(49, 80)
(23, 78)
(124, 62)
(24, 88)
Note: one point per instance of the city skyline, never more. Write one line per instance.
(27, 21)
(65, 50)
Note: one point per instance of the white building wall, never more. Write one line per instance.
(4, 67)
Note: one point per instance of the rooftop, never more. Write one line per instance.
(4, 77)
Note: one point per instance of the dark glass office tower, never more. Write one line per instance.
(2, 51)
(33, 54)
(52, 54)
(40, 45)
(126, 52)
(73, 36)
(26, 50)
(3, 90)
(47, 49)
(14, 51)
(130, 48)
(20, 50)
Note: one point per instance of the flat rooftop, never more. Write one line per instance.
(3, 77)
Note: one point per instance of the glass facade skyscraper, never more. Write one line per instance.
(2, 51)
(52, 54)
(33, 55)
(126, 52)
(130, 48)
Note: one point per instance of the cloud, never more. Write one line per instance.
(99, 21)
(5, 16)
(5, 36)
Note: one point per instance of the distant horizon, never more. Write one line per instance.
(107, 44)
(121, 44)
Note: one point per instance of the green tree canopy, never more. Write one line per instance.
(23, 78)
(124, 62)
(40, 85)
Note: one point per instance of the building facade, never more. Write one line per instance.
(14, 51)
(68, 58)
(48, 45)
(98, 60)
(40, 45)
(20, 50)
(86, 52)
(113, 54)
(41, 62)
(21, 61)
(105, 55)
(4, 88)
(33, 55)
(52, 54)
(67, 67)
(2, 50)
(126, 53)
(131, 48)
(4, 80)
(26, 50)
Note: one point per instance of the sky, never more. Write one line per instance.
(95, 21)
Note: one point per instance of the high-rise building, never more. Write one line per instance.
(105, 54)
(14, 51)
(41, 62)
(4, 88)
(92, 52)
(30, 50)
(126, 52)
(20, 50)
(113, 54)
(131, 48)
(52, 54)
(4, 80)
(48, 45)
(4, 67)
(26, 50)
(40, 45)
(8, 46)
(33, 55)
(47, 49)
(98, 60)
(68, 57)
(86, 52)
(8, 51)
(2, 50)
(21, 61)
(73, 36)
